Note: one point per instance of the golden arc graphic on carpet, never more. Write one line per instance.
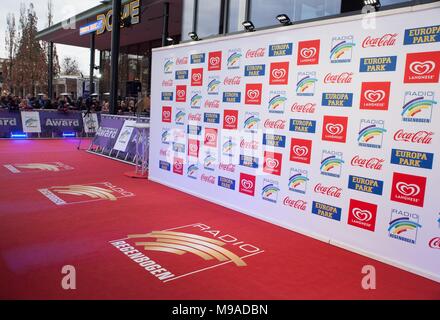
(78, 193)
(37, 167)
(196, 248)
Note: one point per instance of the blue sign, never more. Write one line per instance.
(337, 99)
(194, 130)
(248, 161)
(422, 35)
(302, 125)
(197, 58)
(255, 70)
(90, 28)
(178, 147)
(366, 185)
(326, 211)
(181, 74)
(164, 165)
(378, 64)
(211, 117)
(226, 183)
(415, 159)
(274, 140)
(167, 96)
(233, 97)
(282, 49)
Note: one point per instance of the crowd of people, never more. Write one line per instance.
(66, 103)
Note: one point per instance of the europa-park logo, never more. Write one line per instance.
(74, 194)
(184, 251)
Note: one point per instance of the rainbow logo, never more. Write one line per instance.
(404, 229)
(270, 192)
(213, 86)
(180, 117)
(165, 136)
(330, 164)
(251, 123)
(276, 104)
(196, 101)
(228, 146)
(341, 51)
(192, 171)
(167, 68)
(370, 132)
(209, 162)
(412, 109)
(297, 183)
(306, 86)
(234, 60)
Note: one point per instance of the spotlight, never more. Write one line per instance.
(284, 19)
(170, 40)
(193, 35)
(249, 26)
(374, 3)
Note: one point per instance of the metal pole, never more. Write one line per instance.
(166, 15)
(92, 63)
(50, 73)
(116, 36)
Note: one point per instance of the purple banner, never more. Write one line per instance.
(108, 132)
(10, 122)
(60, 121)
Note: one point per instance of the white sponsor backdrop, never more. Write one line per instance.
(367, 204)
(31, 121)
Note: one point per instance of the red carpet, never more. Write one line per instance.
(38, 237)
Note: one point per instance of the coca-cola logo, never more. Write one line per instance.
(232, 81)
(371, 163)
(208, 179)
(167, 83)
(214, 61)
(272, 163)
(334, 129)
(421, 68)
(344, 77)
(329, 191)
(362, 215)
(183, 60)
(386, 40)
(435, 243)
(408, 189)
(297, 204)
(303, 108)
(374, 95)
(279, 73)
(422, 137)
(195, 117)
(300, 151)
(247, 184)
(308, 53)
(255, 53)
(212, 104)
(253, 145)
(275, 124)
(253, 94)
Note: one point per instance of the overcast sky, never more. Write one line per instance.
(63, 9)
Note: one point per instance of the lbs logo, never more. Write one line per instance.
(253, 93)
(270, 190)
(215, 61)
(422, 67)
(197, 77)
(298, 180)
(331, 163)
(375, 95)
(181, 93)
(251, 121)
(408, 189)
(213, 85)
(277, 101)
(308, 52)
(371, 133)
(234, 59)
(179, 118)
(210, 161)
(342, 49)
(272, 163)
(168, 66)
(305, 85)
(300, 150)
(192, 171)
(418, 106)
(335, 129)
(166, 114)
(230, 119)
(404, 226)
(247, 184)
(362, 215)
(279, 73)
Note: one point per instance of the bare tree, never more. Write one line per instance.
(56, 61)
(70, 67)
(10, 46)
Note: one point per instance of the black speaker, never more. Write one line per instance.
(351, 5)
(133, 87)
